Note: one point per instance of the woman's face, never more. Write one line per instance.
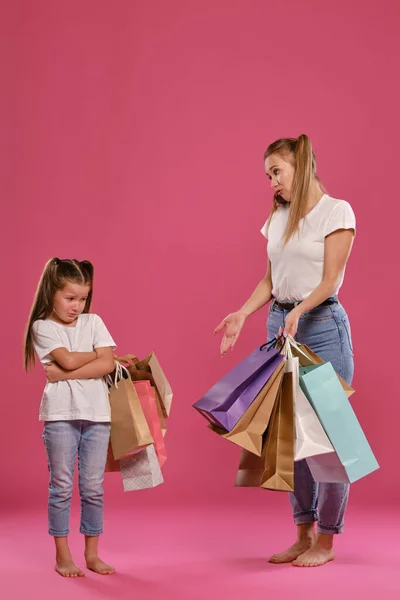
(280, 171)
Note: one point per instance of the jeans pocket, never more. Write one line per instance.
(347, 328)
(320, 313)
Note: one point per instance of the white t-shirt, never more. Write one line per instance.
(297, 268)
(73, 399)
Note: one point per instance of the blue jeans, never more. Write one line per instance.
(65, 441)
(326, 330)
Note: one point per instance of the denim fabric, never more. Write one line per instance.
(66, 441)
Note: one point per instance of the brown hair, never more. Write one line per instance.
(55, 275)
(302, 156)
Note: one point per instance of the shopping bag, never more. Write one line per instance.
(129, 428)
(279, 452)
(323, 390)
(274, 469)
(308, 358)
(150, 369)
(148, 404)
(251, 468)
(249, 430)
(141, 471)
(310, 437)
(227, 401)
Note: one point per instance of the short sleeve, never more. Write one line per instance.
(264, 229)
(341, 217)
(45, 338)
(101, 335)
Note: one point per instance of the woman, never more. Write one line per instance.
(310, 236)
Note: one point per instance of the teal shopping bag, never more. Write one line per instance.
(326, 395)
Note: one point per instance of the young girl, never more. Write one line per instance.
(76, 351)
(310, 236)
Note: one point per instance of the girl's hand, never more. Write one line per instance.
(55, 373)
(291, 324)
(233, 325)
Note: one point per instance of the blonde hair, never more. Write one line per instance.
(300, 153)
(56, 274)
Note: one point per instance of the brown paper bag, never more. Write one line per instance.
(249, 430)
(150, 369)
(314, 359)
(129, 429)
(280, 442)
(251, 469)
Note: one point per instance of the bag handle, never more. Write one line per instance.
(273, 343)
(119, 375)
(294, 344)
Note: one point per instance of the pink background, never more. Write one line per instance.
(133, 135)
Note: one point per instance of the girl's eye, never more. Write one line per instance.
(276, 171)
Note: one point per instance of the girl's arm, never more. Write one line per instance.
(103, 365)
(70, 361)
(337, 251)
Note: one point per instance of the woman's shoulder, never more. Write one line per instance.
(277, 218)
(335, 203)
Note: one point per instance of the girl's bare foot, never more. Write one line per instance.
(66, 568)
(305, 539)
(98, 566)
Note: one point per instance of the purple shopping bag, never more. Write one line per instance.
(227, 401)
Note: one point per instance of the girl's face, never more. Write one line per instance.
(281, 172)
(70, 301)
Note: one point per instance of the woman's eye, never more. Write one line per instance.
(276, 171)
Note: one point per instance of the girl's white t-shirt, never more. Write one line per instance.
(73, 399)
(297, 268)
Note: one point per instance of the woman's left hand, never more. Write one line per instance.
(54, 372)
(291, 324)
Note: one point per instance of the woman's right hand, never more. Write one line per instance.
(232, 326)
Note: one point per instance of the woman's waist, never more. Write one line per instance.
(287, 305)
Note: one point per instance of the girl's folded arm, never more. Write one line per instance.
(70, 361)
(104, 364)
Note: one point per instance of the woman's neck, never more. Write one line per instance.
(314, 196)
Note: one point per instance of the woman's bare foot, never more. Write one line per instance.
(320, 553)
(66, 568)
(305, 539)
(291, 553)
(98, 566)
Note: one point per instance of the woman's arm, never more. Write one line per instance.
(261, 295)
(103, 365)
(337, 251)
(233, 323)
(72, 360)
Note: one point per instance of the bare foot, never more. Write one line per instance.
(289, 555)
(316, 556)
(98, 566)
(66, 568)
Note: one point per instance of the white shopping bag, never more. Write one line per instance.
(311, 438)
(141, 471)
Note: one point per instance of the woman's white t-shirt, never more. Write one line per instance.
(73, 399)
(297, 268)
